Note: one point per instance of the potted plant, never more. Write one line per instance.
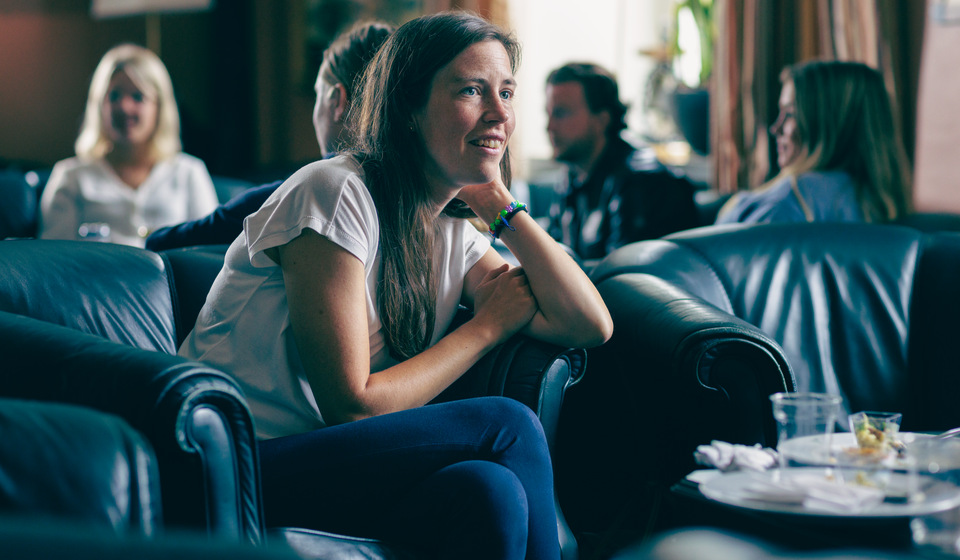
(694, 32)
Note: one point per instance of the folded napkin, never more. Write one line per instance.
(815, 490)
(733, 456)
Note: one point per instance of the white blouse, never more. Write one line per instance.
(83, 195)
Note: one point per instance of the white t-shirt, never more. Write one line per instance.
(82, 191)
(244, 327)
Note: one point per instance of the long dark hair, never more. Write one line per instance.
(393, 155)
(845, 122)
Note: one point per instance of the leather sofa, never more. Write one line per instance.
(98, 324)
(709, 322)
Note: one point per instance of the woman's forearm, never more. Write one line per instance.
(415, 381)
(571, 311)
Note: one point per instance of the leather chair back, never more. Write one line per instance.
(855, 307)
(117, 292)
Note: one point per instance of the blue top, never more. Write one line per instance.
(220, 227)
(830, 196)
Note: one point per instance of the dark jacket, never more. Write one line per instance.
(629, 196)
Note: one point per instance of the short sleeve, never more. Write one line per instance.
(328, 197)
(475, 244)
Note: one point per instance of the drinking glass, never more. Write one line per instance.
(800, 415)
(933, 464)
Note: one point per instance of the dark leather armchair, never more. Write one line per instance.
(79, 483)
(710, 321)
(98, 324)
(93, 324)
(96, 470)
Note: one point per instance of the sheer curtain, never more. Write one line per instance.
(757, 38)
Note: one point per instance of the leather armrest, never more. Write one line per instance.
(535, 373)
(677, 372)
(708, 372)
(193, 415)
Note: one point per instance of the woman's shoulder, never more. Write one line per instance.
(329, 177)
(76, 163)
(73, 170)
(773, 202)
(772, 193)
(342, 166)
(825, 180)
(831, 194)
(185, 159)
(327, 196)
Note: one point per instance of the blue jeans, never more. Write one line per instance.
(463, 479)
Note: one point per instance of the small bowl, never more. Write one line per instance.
(875, 430)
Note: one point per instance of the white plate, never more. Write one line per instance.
(733, 489)
(812, 450)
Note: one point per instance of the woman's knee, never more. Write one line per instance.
(490, 503)
(512, 414)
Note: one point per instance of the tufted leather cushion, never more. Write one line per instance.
(117, 292)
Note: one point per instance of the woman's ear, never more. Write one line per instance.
(338, 102)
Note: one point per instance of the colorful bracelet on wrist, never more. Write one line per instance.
(504, 217)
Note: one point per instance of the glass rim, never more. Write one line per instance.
(877, 413)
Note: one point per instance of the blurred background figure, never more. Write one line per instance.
(130, 175)
(336, 85)
(615, 192)
(838, 150)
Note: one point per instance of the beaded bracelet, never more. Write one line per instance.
(504, 217)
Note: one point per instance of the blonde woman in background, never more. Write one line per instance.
(840, 157)
(129, 176)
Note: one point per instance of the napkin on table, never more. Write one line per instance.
(734, 456)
